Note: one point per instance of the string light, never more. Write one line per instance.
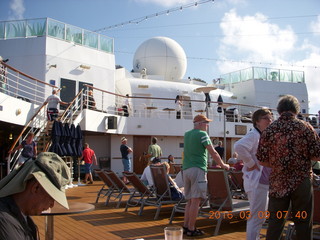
(166, 12)
(239, 61)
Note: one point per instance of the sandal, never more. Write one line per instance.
(195, 232)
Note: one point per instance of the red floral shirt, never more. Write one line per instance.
(288, 145)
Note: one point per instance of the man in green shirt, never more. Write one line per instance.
(197, 144)
(154, 149)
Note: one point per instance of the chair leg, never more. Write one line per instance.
(216, 231)
(141, 209)
(172, 214)
(108, 199)
(119, 202)
(157, 212)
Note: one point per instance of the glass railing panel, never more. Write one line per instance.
(297, 76)
(15, 29)
(90, 39)
(74, 34)
(2, 24)
(56, 29)
(246, 74)
(285, 76)
(106, 44)
(259, 73)
(36, 27)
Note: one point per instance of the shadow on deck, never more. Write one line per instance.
(108, 222)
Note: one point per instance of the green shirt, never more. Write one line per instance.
(195, 151)
(155, 150)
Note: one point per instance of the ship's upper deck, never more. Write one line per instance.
(261, 73)
(39, 27)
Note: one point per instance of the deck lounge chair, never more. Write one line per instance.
(141, 191)
(108, 186)
(219, 199)
(161, 188)
(119, 187)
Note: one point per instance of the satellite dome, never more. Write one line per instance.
(161, 56)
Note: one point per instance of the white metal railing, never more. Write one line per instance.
(165, 108)
(19, 85)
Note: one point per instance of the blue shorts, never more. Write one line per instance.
(126, 165)
(87, 167)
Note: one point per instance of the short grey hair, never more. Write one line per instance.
(288, 103)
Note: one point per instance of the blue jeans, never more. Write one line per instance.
(126, 165)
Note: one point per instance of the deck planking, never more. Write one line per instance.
(108, 222)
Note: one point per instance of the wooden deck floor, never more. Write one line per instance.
(110, 223)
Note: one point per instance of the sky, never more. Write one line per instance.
(218, 37)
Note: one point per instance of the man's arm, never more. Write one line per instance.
(216, 157)
(94, 159)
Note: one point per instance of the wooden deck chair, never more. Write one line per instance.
(120, 188)
(141, 191)
(108, 186)
(220, 197)
(161, 188)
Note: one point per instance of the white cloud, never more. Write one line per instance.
(254, 39)
(255, 36)
(17, 9)
(315, 26)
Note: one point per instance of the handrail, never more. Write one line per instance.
(26, 126)
(61, 118)
(71, 103)
(26, 75)
(159, 98)
(23, 131)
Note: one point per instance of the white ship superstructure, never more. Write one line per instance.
(72, 59)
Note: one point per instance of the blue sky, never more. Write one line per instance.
(218, 37)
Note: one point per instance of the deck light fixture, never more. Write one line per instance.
(84, 66)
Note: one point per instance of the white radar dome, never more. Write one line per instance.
(161, 56)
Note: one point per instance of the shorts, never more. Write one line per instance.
(23, 159)
(52, 114)
(87, 167)
(126, 165)
(195, 183)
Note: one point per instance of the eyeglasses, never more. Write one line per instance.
(267, 118)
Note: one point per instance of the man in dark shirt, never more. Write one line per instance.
(220, 150)
(29, 190)
(125, 150)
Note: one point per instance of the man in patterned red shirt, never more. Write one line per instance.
(89, 157)
(287, 146)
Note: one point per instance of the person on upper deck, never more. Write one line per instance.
(52, 108)
(287, 146)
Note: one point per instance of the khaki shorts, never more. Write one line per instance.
(195, 183)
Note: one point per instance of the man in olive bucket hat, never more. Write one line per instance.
(29, 190)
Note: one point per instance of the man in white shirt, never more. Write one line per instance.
(146, 176)
(52, 108)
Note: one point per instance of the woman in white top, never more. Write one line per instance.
(255, 176)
